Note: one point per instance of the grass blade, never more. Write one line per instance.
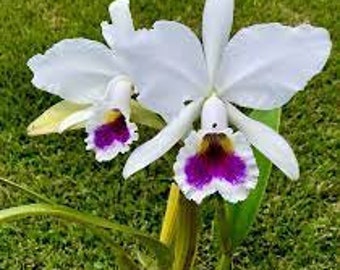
(29, 192)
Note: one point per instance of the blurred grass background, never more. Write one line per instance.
(297, 227)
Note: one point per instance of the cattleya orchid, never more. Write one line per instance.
(90, 73)
(261, 67)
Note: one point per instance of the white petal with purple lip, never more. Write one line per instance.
(109, 133)
(203, 167)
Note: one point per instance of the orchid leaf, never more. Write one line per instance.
(162, 253)
(50, 120)
(26, 190)
(146, 261)
(143, 116)
(243, 214)
(123, 259)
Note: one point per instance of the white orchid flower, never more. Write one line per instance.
(261, 67)
(88, 72)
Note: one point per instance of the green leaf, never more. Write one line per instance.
(244, 213)
(123, 259)
(163, 254)
(146, 261)
(50, 120)
(29, 192)
(143, 116)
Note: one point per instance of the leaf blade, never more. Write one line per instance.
(162, 252)
(244, 213)
(26, 190)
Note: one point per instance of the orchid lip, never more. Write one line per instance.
(115, 130)
(215, 159)
(110, 133)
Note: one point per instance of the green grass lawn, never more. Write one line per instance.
(297, 227)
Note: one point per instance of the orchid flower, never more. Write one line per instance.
(262, 67)
(90, 73)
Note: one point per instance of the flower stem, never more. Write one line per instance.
(225, 263)
(180, 228)
(169, 226)
(186, 234)
(223, 223)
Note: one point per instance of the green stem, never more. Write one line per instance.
(223, 225)
(225, 263)
(187, 232)
(169, 226)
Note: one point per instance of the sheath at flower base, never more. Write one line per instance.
(261, 67)
(90, 73)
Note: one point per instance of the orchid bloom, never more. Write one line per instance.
(261, 67)
(90, 73)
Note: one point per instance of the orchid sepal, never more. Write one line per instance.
(50, 121)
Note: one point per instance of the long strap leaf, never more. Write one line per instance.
(26, 190)
(244, 213)
(123, 259)
(239, 218)
(162, 253)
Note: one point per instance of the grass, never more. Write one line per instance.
(297, 227)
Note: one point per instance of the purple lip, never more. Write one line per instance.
(112, 132)
(216, 159)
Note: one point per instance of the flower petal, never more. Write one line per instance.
(109, 133)
(75, 119)
(167, 66)
(265, 65)
(216, 162)
(77, 70)
(50, 120)
(163, 141)
(122, 25)
(217, 24)
(267, 141)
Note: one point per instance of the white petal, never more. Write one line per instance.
(267, 141)
(217, 24)
(167, 66)
(163, 141)
(77, 70)
(122, 24)
(214, 114)
(119, 94)
(75, 118)
(265, 65)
